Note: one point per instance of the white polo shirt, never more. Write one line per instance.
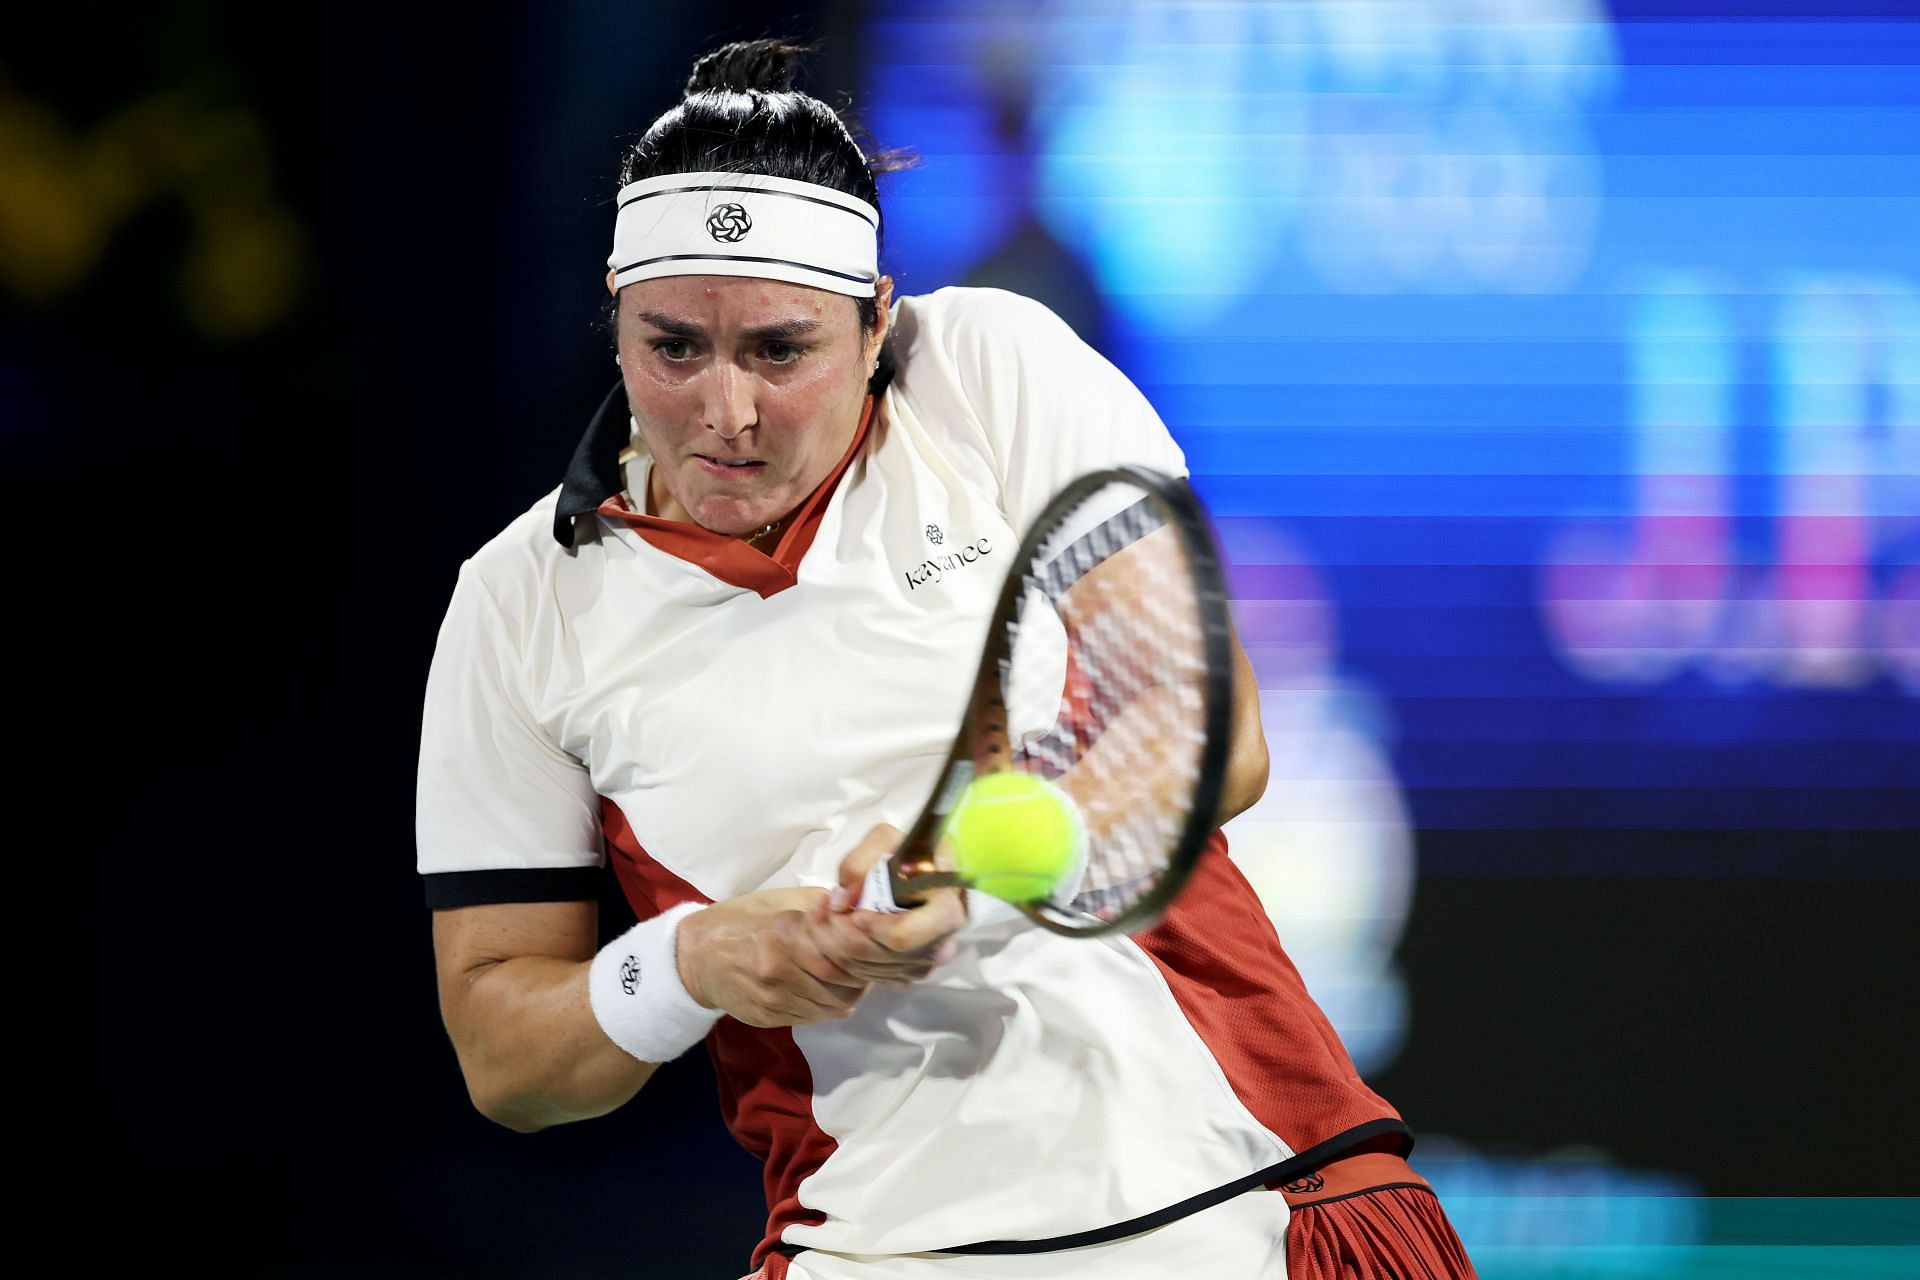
(713, 720)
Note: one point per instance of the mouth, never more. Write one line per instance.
(726, 467)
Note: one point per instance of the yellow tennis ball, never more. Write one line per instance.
(1015, 836)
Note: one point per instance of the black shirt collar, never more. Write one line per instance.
(594, 474)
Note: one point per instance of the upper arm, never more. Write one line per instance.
(1247, 760)
(470, 940)
(507, 822)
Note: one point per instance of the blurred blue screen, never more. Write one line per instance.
(1553, 374)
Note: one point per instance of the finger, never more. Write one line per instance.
(810, 957)
(846, 941)
(906, 975)
(919, 930)
(816, 1003)
(812, 964)
(798, 999)
(875, 845)
(900, 978)
(822, 969)
(889, 970)
(832, 977)
(814, 975)
(899, 970)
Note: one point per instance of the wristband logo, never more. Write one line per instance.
(729, 223)
(630, 974)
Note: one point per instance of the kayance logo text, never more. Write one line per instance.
(929, 572)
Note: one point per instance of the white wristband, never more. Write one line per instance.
(635, 989)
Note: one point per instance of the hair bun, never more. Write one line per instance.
(748, 66)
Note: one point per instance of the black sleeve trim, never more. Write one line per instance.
(449, 889)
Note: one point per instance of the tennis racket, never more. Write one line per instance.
(1107, 673)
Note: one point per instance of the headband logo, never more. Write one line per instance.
(729, 223)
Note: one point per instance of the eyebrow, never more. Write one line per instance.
(778, 331)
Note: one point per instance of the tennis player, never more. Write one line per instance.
(728, 654)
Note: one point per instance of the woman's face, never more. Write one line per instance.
(747, 392)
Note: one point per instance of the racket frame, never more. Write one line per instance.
(914, 869)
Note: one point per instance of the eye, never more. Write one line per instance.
(782, 352)
(673, 348)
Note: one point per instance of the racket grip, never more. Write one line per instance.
(876, 892)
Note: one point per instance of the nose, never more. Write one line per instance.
(728, 409)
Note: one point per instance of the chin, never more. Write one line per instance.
(729, 519)
(733, 528)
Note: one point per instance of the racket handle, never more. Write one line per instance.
(876, 892)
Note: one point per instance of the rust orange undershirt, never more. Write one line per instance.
(728, 558)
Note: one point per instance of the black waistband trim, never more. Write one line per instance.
(1367, 1191)
(1304, 1162)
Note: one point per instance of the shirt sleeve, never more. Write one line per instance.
(1050, 406)
(502, 814)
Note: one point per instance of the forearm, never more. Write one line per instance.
(531, 1050)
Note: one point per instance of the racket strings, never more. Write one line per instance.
(1103, 689)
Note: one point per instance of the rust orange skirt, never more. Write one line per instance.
(1369, 1216)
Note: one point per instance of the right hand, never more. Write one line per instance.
(756, 958)
(874, 946)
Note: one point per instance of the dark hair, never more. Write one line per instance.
(741, 114)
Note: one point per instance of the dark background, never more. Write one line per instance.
(236, 527)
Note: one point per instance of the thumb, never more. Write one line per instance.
(876, 845)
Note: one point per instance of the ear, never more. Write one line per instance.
(882, 300)
(611, 288)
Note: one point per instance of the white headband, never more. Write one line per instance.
(746, 224)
